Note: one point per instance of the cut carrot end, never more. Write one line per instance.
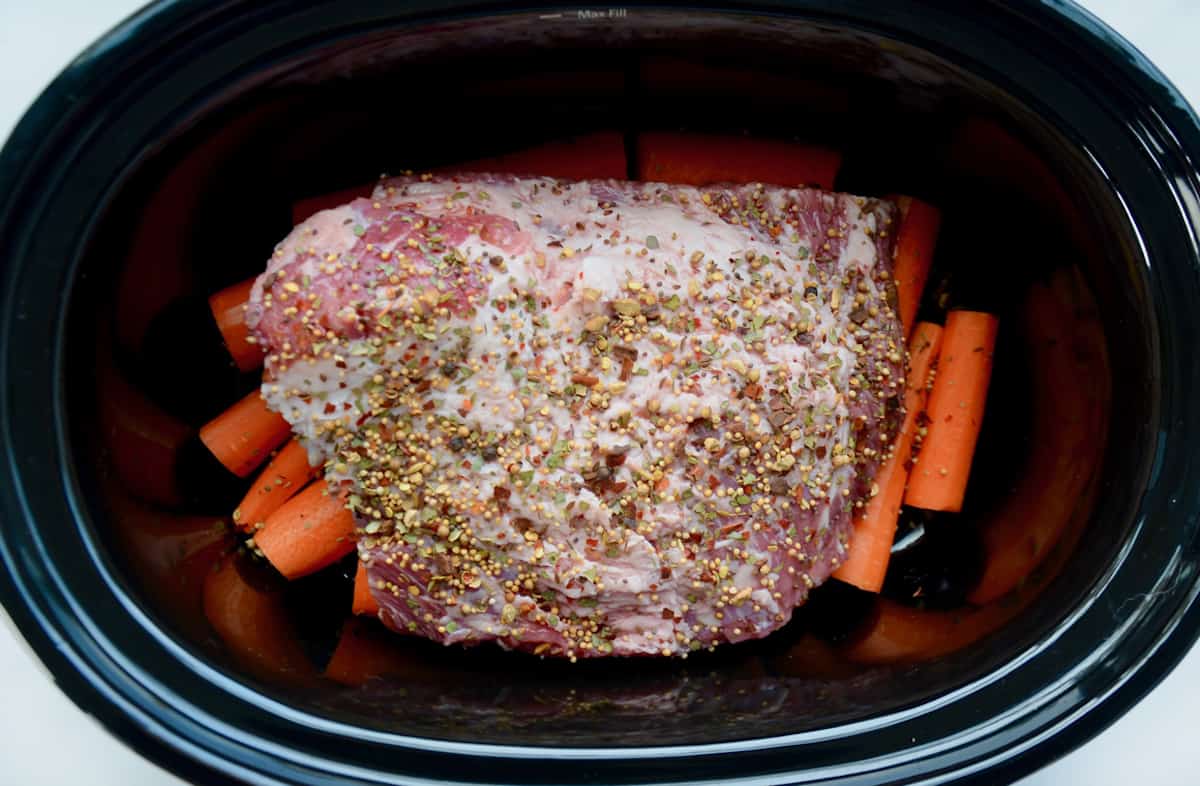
(916, 241)
(312, 530)
(243, 436)
(700, 159)
(875, 525)
(282, 479)
(364, 603)
(938, 480)
(874, 530)
(229, 310)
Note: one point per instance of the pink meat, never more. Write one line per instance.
(593, 418)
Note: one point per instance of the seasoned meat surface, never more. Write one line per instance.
(590, 418)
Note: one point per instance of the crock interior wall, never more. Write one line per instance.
(380, 103)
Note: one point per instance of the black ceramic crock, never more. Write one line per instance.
(284, 98)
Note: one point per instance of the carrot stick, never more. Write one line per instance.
(364, 603)
(287, 473)
(1031, 537)
(701, 159)
(229, 310)
(591, 156)
(938, 480)
(244, 435)
(919, 224)
(253, 624)
(312, 530)
(875, 524)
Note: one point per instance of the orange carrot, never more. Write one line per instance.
(938, 480)
(918, 231)
(701, 159)
(875, 524)
(364, 602)
(592, 156)
(287, 473)
(253, 624)
(244, 435)
(229, 310)
(312, 530)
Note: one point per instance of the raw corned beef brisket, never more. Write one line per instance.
(590, 418)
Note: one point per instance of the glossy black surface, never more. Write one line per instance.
(1124, 608)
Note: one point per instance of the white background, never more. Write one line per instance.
(44, 739)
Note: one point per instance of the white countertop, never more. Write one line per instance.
(1154, 744)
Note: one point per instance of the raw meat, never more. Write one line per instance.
(590, 418)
